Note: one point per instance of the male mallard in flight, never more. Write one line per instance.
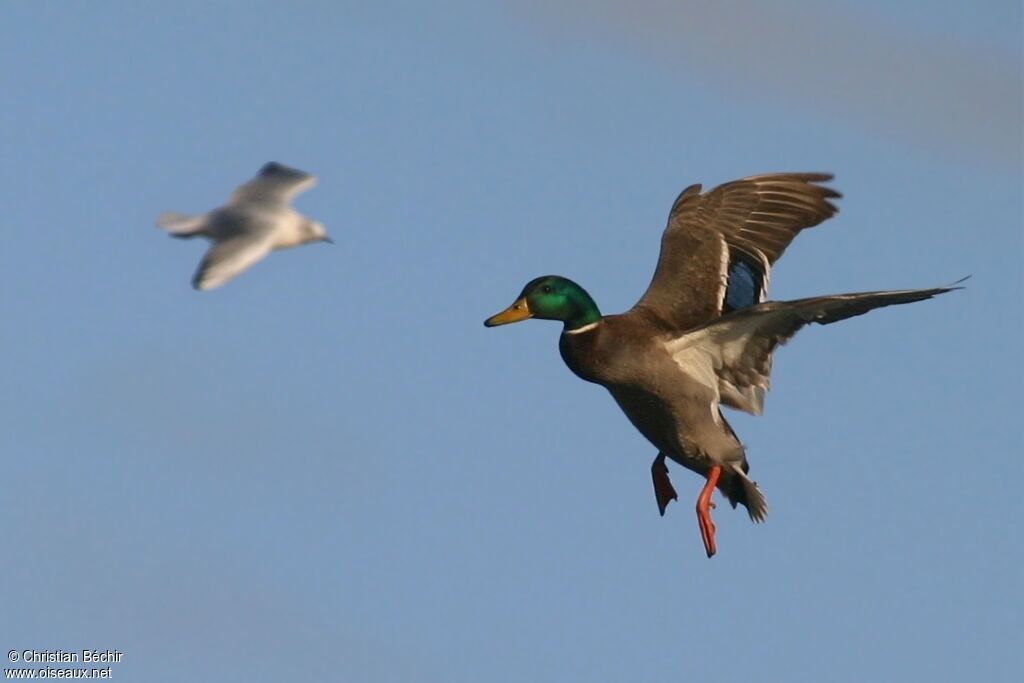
(702, 334)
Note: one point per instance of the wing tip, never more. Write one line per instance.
(959, 283)
(202, 282)
(276, 168)
(272, 168)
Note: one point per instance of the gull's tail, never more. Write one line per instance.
(182, 226)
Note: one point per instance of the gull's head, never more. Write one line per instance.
(314, 231)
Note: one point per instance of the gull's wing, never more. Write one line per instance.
(739, 228)
(735, 351)
(228, 257)
(275, 183)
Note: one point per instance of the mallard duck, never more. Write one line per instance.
(702, 335)
(256, 220)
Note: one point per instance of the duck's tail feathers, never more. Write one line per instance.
(742, 489)
(180, 225)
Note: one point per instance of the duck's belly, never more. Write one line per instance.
(686, 428)
(654, 417)
(677, 414)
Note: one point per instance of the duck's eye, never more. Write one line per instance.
(546, 289)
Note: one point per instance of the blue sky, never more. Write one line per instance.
(330, 470)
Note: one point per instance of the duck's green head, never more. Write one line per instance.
(550, 297)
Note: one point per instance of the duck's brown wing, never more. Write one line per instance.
(733, 355)
(739, 228)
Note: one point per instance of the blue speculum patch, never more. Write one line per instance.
(744, 286)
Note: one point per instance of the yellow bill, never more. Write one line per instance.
(519, 310)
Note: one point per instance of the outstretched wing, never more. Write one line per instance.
(275, 183)
(739, 346)
(227, 258)
(730, 235)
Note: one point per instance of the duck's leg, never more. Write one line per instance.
(704, 504)
(663, 491)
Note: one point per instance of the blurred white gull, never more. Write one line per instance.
(256, 220)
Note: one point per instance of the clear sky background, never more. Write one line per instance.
(330, 470)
